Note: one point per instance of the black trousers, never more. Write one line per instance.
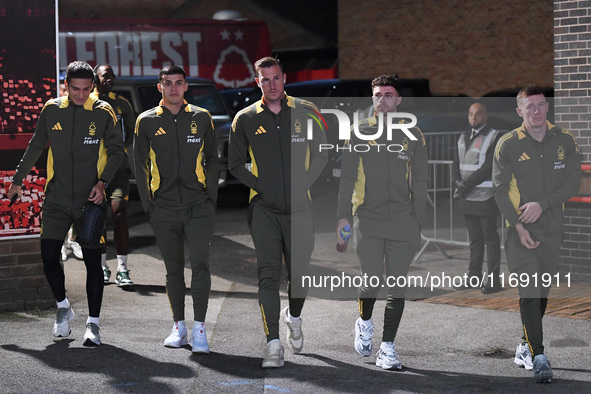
(482, 231)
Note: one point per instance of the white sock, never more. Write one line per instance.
(64, 304)
(367, 323)
(273, 340)
(104, 260)
(94, 320)
(291, 318)
(121, 262)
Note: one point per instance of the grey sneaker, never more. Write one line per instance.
(122, 279)
(273, 354)
(294, 335)
(106, 274)
(92, 336)
(363, 336)
(61, 327)
(387, 356)
(523, 356)
(542, 370)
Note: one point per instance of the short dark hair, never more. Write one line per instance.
(79, 70)
(171, 70)
(529, 91)
(266, 62)
(387, 80)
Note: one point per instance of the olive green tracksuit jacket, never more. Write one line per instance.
(176, 159)
(85, 145)
(382, 184)
(526, 170)
(284, 165)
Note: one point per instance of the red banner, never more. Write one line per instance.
(27, 81)
(222, 51)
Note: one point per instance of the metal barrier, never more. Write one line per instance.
(441, 227)
(440, 198)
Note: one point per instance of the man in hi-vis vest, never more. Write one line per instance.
(472, 172)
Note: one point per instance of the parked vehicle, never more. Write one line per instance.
(236, 99)
(143, 94)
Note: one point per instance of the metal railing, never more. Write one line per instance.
(443, 226)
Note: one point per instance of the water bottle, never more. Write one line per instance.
(345, 235)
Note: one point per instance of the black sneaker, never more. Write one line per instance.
(487, 289)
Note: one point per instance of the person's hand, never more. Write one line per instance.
(341, 223)
(530, 212)
(461, 188)
(97, 193)
(525, 237)
(14, 189)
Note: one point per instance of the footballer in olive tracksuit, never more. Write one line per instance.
(284, 165)
(85, 146)
(547, 172)
(126, 117)
(176, 165)
(384, 185)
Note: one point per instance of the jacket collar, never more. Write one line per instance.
(88, 104)
(550, 129)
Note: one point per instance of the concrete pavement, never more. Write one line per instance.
(443, 347)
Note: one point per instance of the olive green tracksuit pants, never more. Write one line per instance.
(172, 228)
(533, 297)
(273, 235)
(392, 243)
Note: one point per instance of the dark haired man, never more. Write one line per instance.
(536, 169)
(118, 190)
(176, 165)
(383, 192)
(86, 149)
(285, 164)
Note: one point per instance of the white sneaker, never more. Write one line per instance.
(363, 336)
(273, 354)
(61, 327)
(387, 356)
(294, 335)
(178, 335)
(199, 339)
(523, 357)
(64, 253)
(92, 336)
(76, 249)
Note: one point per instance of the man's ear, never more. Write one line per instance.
(519, 112)
(159, 87)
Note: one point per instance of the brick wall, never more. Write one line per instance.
(471, 47)
(22, 282)
(572, 76)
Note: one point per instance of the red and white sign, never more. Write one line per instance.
(223, 51)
